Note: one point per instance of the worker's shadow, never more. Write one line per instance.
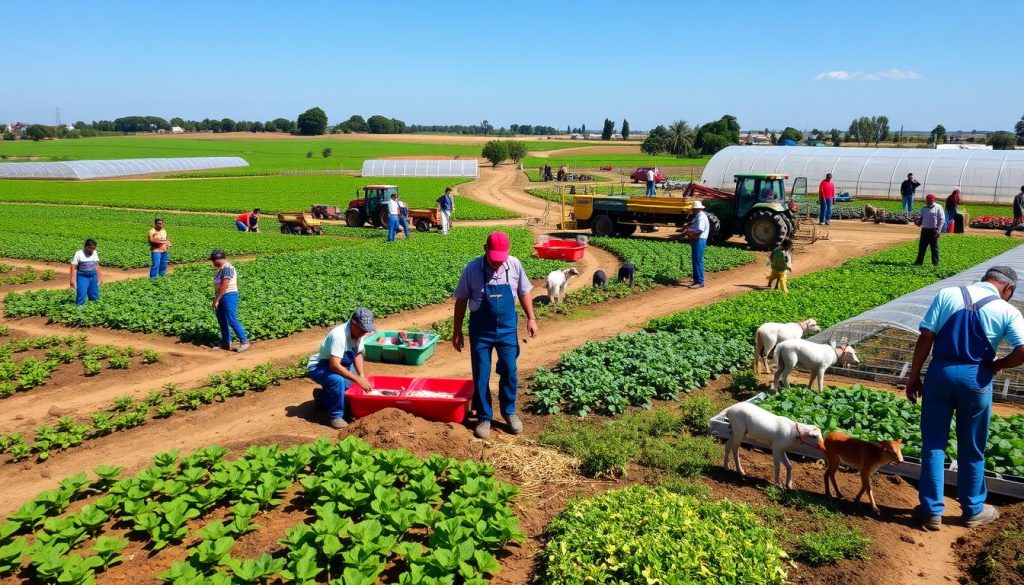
(307, 411)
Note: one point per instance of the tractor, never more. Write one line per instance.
(372, 206)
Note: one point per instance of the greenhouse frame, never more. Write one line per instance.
(884, 337)
(467, 168)
(983, 176)
(102, 169)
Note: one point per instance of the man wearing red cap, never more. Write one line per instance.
(489, 286)
(932, 220)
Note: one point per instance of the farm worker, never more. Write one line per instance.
(85, 273)
(961, 330)
(651, 192)
(782, 264)
(158, 246)
(489, 286)
(446, 203)
(249, 222)
(699, 230)
(932, 221)
(952, 211)
(403, 217)
(907, 189)
(826, 196)
(394, 212)
(339, 363)
(225, 302)
(1018, 211)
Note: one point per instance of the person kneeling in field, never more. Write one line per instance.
(339, 363)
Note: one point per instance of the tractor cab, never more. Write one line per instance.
(371, 206)
(758, 210)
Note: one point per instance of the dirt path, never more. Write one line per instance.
(503, 186)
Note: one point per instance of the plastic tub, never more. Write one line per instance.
(567, 250)
(436, 408)
(382, 347)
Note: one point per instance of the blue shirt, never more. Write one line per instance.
(445, 202)
(478, 274)
(1000, 319)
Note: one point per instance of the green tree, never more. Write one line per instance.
(1002, 140)
(607, 130)
(791, 133)
(312, 122)
(39, 132)
(881, 128)
(228, 125)
(517, 150)
(1019, 131)
(486, 127)
(938, 135)
(326, 153)
(656, 141)
(354, 124)
(836, 136)
(715, 136)
(625, 129)
(281, 125)
(380, 125)
(495, 151)
(680, 139)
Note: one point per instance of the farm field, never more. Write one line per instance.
(628, 162)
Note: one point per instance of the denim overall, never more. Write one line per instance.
(959, 381)
(332, 394)
(493, 326)
(87, 282)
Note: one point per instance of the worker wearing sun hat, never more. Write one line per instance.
(489, 287)
(339, 363)
(697, 232)
(933, 218)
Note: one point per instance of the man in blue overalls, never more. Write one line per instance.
(962, 329)
(339, 363)
(490, 286)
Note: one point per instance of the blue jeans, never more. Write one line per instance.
(650, 189)
(508, 376)
(332, 396)
(241, 226)
(697, 259)
(908, 203)
(825, 210)
(392, 227)
(87, 285)
(405, 225)
(158, 267)
(227, 318)
(966, 390)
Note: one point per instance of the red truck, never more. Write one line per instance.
(640, 175)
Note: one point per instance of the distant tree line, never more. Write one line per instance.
(681, 140)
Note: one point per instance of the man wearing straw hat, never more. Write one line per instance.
(697, 232)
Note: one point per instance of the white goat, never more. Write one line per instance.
(778, 432)
(771, 334)
(557, 281)
(816, 357)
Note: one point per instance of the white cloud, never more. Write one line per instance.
(888, 74)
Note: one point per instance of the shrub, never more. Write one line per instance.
(685, 456)
(326, 153)
(745, 381)
(517, 150)
(835, 543)
(496, 151)
(695, 412)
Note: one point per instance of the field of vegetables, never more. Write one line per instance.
(285, 293)
(367, 512)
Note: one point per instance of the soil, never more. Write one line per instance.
(994, 554)
(588, 151)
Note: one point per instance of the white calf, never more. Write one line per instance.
(816, 357)
(778, 432)
(771, 334)
(557, 281)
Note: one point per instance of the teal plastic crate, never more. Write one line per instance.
(381, 347)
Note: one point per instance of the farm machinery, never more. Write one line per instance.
(758, 210)
(299, 223)
(372, 206)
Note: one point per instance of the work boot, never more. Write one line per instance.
(515, 425)
(927, 520)
(338, 423)
(244, 347)
(988, 515)
(483, 429)
(224, 347)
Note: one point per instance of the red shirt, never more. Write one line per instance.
(827, 190)
(247, 219)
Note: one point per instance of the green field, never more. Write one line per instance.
(593, 161)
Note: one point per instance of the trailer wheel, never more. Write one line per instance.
(625, 230)
(354, 218)
(422, 225)
(284, 229)
(602, 225)
(765, 229)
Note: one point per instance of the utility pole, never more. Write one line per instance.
(58, 123)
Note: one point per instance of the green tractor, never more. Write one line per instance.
(758, 210)
(372, 206)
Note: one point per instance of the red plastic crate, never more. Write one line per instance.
(430, 408)
(568, 250)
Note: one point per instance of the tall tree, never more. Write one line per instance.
(1001, 140)
(312, 122)
(608, 130)
(938, 134)
(680, 138)
(791, 133)
(625, 129)
(1019, 130)
(881, 128)
(486, 127)
(836, 136)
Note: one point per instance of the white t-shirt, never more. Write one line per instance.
(85, 263)
(338, 341)
(392, 207)
(650, 175)
(701, 223)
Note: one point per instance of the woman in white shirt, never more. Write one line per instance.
(85, 273)
(225, 302)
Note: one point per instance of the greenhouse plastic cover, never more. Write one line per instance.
(99, 169)
(993, 176)
(421, 168)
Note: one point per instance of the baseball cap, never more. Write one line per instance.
(364, 318)
(497, 247)
(930, 197)
(1007, 272)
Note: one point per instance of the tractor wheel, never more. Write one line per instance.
(354, 218)
(716, 234)
(625, 230)
(765, 229)
(382, 217)
(318, 231)
(602, 225)
(296, 230)
(285, 229)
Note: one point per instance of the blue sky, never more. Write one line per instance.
(771, 64)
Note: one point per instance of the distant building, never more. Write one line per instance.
(177, 130)
(577, 137)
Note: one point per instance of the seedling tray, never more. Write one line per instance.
(1004, 485)
(568, 250)
(386, 347)
(436, 408)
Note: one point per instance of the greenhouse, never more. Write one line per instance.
(983, 176)
(102, 169)
(884, 337)
(421, 168)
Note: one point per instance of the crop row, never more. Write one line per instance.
(285, 293)
(9, 275)
(438, 521)
(661, 262)
(877, 415)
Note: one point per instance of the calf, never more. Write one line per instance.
(816, 357)
(627, 272)
(867, 456)
(557, 281)
(600, 279)
(778, 432)
(771, 334)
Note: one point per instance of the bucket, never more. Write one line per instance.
(541, 240)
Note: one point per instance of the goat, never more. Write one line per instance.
(778, 432)
(816, 357)
(600, 279)
(557, 281)
(627, 272)
(771, 334)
